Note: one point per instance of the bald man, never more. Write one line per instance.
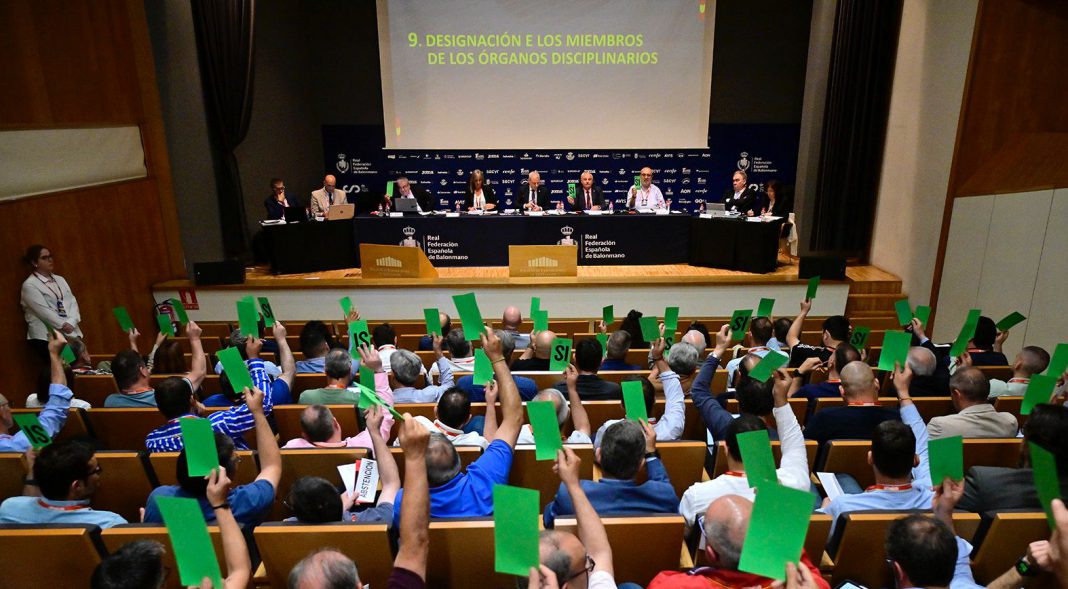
(328, 195)
(537, 355)
(646, 197)
(510, 322)
(588, 197)
(532, 195)
(325, 568)
(858, 418)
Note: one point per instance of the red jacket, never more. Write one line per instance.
(708, 577)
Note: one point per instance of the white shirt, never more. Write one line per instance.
(670, 425)
(601, 580)
(41, 298)
(456, 365)
(456, 436)
(646, 200)
(478, 200)
(526, 436)
(386, 352)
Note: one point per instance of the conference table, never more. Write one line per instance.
(483, 240)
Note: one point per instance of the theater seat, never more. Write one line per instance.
(124, 429)
(799, 405)
(283, 545)
(302, 462)
(305, 381)
(12, 470)
(116, 537)
(75, 426)
(1003, 452)
(848, 457)
(538, 474)
(124, 484)
(811, 447)
(638, 561)
(1005, 539)
(48, 555)
(462, 554)
(685, 463)
(287, 417)
(1011, 404)
(164, 467)
(93, 388)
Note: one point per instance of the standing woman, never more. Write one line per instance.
(47, 301)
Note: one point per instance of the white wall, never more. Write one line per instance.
(932, 62)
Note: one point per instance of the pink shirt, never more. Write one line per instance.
(362, 439)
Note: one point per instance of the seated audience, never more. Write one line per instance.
(588, 354)
(131, 374)
(923, 552)
(426, 342)
(830, 388)
(526, 385)
(316, 341)
(406, 369)
(928, 378)
(616, 356)
(985, 346)
(683, 360)
(248, 503)
(339, 389)
(54, 415)
(633, 326)
(780, 328)
(280, 388)
(860, 415)
(758, 340)
(236, 340)
(462, 356)
(669, 427)
(1030, 361)
(716, 418)
(40, 397)
(510, 322)
(536, 356)
(975, 417)
(835, 331)
(564, 407)
(452, 414)
(65, 476)
(320, 429)
(384, 339)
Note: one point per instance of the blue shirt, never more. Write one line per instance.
(618, 365)
(131, 400)
(528, 389)
(249, 503)
(318, 366)
(427, 394)
(469, 494)
(613, 496)
(39, 510)
(52, 417)
(280, 395)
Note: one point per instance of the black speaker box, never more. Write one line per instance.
(826, 267)
(225, 272)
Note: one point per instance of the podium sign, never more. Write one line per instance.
(542, 260)
(394, 261)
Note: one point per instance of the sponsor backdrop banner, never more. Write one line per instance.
(356, 155)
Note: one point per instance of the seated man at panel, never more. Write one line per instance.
(591, 387)
(757, 339)
(861, 414)
(54, 414)
(526, 385)
(794, 466)
(423, 199)
(975, 417)
(249, 503)
(588, 197)
(740, 198)
(626, 448)
(451, 415)
(572, 407)
(278, 201)
(536, 357)
(131, 374)
(65, 476)
(669, 427)
(406, 369)
(1030, 361)
(682, 361)
(327, 196)
(339, 389)
(470, 494)
(320, 429)
(510, 322)
(426, 343)
(835, 331)
(532, 195)
(646, 197)
(616, 358)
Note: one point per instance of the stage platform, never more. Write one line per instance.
(703, 292)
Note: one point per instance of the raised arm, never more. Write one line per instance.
(55, 349)
(387, 465)
(238, 564)
(793, 337)
(579, 417)
(794, 470)
(489, 429)
(415, 510)
(54, 414)
(199, 366)
(511, 405)
(289, 363)
(716, 418)
(590, 528)
(266, 445)
(911, 417)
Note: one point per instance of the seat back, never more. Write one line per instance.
(462, 554)
(819, 528)
(124, 429)
(48, 555)
(799, 405)
(1011, 404)
(287, 417)
(124, 484)
(992, 452)
(659, 549)
(998, 372)
(931, 407)
(282, 545)
(302, 462)
(685, 463)
(536, 474)
(849, 457)
(1005, 540)
(164, 467)
(116, 537)
(12, 469)
(426, 410)
(307, 380)
(811, 447)
(93, 388)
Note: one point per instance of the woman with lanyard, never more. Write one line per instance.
(47, 301)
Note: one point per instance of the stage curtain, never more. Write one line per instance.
(861, 76)
(226, 49)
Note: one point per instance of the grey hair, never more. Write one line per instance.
(921, 361)
(507, 344)
(442, 460)
(719, 536)
(406, 366)
(328, 568)
(683, 358)
(338, 363)
(563, 410)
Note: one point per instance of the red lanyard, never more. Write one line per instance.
(61, 507)
(1023, 380)
(863, 404)
(894, 488)
(735, 473)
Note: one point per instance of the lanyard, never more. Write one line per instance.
(862, 404)
(61, 507)
(56, 292)
(894, 488)
(735, 473)
(1020, 380)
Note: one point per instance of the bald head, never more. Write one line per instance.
(559, 403)
(325, 569)
(696, 339)
(1032, 360)
(442, 461)
(543, 343)
(726, 523)
(562, 552)
(329, 182)
(512, 318)
(858, 383)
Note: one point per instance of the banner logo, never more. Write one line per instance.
(342, 163)
(388, 262)
(743, 164)
(542, 262)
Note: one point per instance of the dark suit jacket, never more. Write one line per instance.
(275, 209)
(543, 197)
(988, 488)
(469, 197)
(596, 195)
(422, 196)
(747, 201)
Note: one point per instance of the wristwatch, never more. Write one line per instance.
(1026, 568)
(653, 454)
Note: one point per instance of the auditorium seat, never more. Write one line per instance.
(287, 418)
(302, 462)
(305, 381)
(931, 407)
(210, 385)
(999, 372)
(114, 538)
(164, 467)
(75, 426)
(1004, 452)
(124, 429)
(211, 345)
(427, 410)
(1011, 404)
(825, 402)
(124, 484)
(819, 528)
(1004, 538)
(93, 388)
(48, 555)
(799, 405)
(535, 474)
(282, 545)
(638, 561)
(684, 461)
(811, 447)
(12, 470)
(217, 328)
(599, 412)
(462, 554)
(848, 457)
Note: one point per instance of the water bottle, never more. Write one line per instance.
(669, 205)
(701, 208)
(379, 208)
(457, 207)
(560, 207)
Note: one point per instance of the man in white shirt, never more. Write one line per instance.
(758, 339)
(327, 196)
(564, 407)
(646, 197)
(451, 415)
(1030, 361)
(670, 425)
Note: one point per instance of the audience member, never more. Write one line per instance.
(860, 415)
(131, 374)
(976, 417)
(700, 343)
(716, 418)
(758, 339)
(280, 388)
(406, 369)
(316, 341)
(564, 407)
(616, 358)
(462, 357)
(339, 389)
(683, 362)
(319, 429)
(237, 340)
(1030, 361)
(830, 388)
(928, 378)
(510, 322)
(835, 331)
(40, 397)
(54, 415)
(384, 339)
(633, 326)
(670, 426)
(452, 414)
(536, 356)
(526, 385)
(426, 342)
(780, 327)
(588, 354)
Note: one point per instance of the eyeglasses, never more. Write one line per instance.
(588, 569)
(48, 257)
(279, 188)
(98, 470)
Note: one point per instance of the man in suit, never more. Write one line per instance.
(533, 195)
(741, 198)
(406, 189)
(975, 418)
(589, 197)
(278, 201)
(328, 195)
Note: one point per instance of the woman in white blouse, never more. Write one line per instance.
(47, 301)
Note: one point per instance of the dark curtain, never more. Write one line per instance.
(224, 32)
(854, 125)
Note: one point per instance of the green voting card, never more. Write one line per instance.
(1011, 320)
(67, 354)
(608, 314)
(483, 368)
(859, 339)
(765, 307)
(572, 190)
(946, 459)
(813, 286)
(346, 305)
(1038, 391)
(777, 529)
(755, 448)
(540, 319)
(966, 332)
(767, 366)
(671, 320)
(190, 541)
(603, 338)
(433, 321)
(559, 354)
(359, 335)
(198, 438)
(515, 530)
(368, 398)
(904, 312)
(235, 368)
(123, 317)
(1058, 363)
(740, 323)
(267, 311)
(546, 430)
(248, 319)
(32, 428)
(634, 400)
(470, 316)
(389, 189)
(1047, 483)
(637, 181)
(895, 349)
(367, 377)
(650, 329)
(179, 310)
(165, 325)
(535, 305)
(923, 313)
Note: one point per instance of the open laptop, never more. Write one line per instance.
(294, 214)
(340, 212)
(406, 205)
(715, 209)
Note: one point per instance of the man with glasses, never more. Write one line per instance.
(278, 201)
(328, 195)
(54, 414)
(646, 197)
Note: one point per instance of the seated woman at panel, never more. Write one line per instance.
(778, 205)
(478, 196)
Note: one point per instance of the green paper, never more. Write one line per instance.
(755, 448)
(859, 339)
(201, 455)
(1058, 362)
(33, 430)
(367, 377)
(190, 541)
(235, 368)
(433, 321)
(671, 320)
(389, 189)
(895, 349)
(1038, 391)
(637, 181)
(740, 323)
(650, 329)
(267, 311)
(765, 307)
(179, 310)
(813, 285)
(470, 316)
(1047, 483)
(515, 530)
(546, 430)
(1011, 320)
(966, 332)
(923, 313)
(603, 338)
(945, 458)
(483, 368)
(777, 529)
(540, 319)
(571, 191)
(904, 312)
(346, 305)
(368, 397)
(535, 305)
(165, 325)
(560, 354)
(634, 400)
(767, 366)
(608, 314)
(123, 317)
(67, 354)
(359, 335)
(248, 319)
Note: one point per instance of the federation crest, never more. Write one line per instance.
(743, 164)
(566, 231)
(409, 237)
(342, 163)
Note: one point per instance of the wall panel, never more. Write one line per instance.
(965, 251)
(1049, 323)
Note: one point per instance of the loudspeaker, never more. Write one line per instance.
(225, 272)
(826, 267)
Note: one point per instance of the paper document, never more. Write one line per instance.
(830, 484)
(360, 479)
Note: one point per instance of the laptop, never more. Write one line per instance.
(340, 212)
(294, 214)
(406, 205)
(716, 209)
